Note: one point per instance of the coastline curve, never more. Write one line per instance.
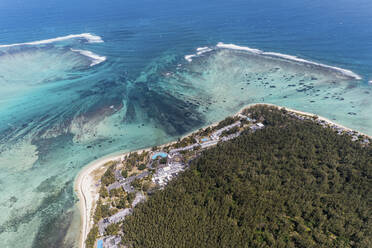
(86, 201)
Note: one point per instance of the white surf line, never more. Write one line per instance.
(87, 36)
(294, 58)
(345, 72)
(189, 57)
(200, 51)
(96, 59)
(236, 47)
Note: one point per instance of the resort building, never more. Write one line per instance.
(257, 126)
(112, 242)
(209, 143)
(103, 224)
(125, 183)
(186, 148)
(140, 197)
(175, 159)
(231, 136)
(119, 216)
(216, 135)
(165, 174)
(260, 125)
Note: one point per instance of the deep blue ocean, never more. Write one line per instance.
(83, 79)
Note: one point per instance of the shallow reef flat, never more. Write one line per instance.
(74, 113)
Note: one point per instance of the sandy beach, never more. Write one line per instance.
(87, 191)
(86, 183)
(87, 188)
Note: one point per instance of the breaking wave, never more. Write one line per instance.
(96, 59)
(236, 47)
(200, 51)
(87, 36)
(220, 45)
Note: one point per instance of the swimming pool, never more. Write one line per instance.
(100, 243)
(205, 139)
(159, 154)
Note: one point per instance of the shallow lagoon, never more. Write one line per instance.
(171, 97)
(58, 112)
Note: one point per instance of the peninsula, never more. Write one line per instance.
(110, 189)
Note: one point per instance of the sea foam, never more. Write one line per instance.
(189, 57)
(96, 59)
(200, 51)
(236, 47)
(87, 36)
(342, 71)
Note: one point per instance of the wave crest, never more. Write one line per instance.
(96, 59)
(200, 51)
(87, 36)
(236, 47)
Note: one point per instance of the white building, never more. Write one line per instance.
(260, 125)
(216, 134)
(209, 143)
(111, 242)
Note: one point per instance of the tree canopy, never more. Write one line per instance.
(291, 184)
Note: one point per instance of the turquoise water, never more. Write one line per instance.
(83, 79)
(159, 154)
(100, 243)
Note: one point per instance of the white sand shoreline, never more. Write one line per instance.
(87, 192)
(85, 187)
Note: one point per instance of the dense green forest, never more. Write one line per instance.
(291, 184)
